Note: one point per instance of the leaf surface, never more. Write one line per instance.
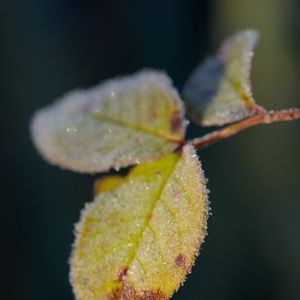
(219, 90)
(139, 240)
(118, 123)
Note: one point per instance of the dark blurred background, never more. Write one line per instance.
(49, 47)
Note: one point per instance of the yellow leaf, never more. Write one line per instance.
(219, 90)
(107, 183)
(118, 123)
(139, 240)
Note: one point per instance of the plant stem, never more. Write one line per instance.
(263, 117)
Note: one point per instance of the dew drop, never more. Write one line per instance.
(186, 123)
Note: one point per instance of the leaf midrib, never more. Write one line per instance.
(144, 130)
(148, 218)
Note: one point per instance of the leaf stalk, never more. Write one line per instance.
(260, 117)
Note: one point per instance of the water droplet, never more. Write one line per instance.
(186, 123)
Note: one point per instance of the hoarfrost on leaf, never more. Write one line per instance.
(219, 90)
(122, 121)
(140, 238)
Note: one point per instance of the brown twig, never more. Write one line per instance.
(263, 117)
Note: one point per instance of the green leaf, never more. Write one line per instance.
(219, 90)
(118, 123)
(140, 239)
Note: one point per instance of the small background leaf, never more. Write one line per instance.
(118, 123)
(139, 240)
(107, 183)
(219, 90)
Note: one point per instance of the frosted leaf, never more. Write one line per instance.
(115, 124)
(219, 90)
(140, 239)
